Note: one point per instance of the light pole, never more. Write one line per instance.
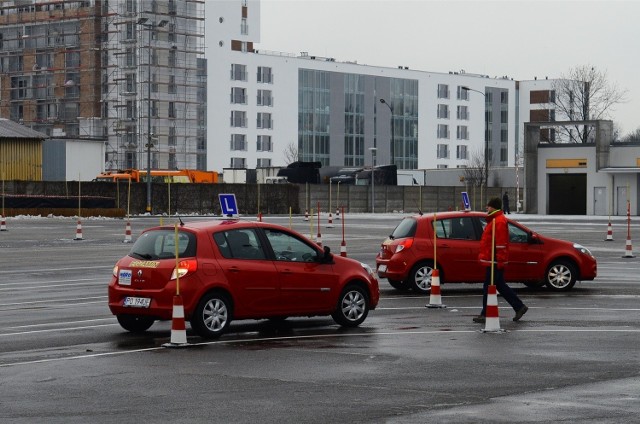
(150, 27)
(486, 143)
(373, 190)
(393, 146)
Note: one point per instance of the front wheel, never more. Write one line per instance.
(135, 323)
(420, 277)
(212, 315)
(561, 276)
(399, 284)
(353, 307)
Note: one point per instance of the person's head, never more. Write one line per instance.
(494, 204)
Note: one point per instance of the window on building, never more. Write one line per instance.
(264, 75)
(443, 91)
(172, 162)
(443, 131)
(264, 120)
(244, 28)
(461, 152)
(238, 119)
(172, 89)
(172, 136)
(463, 113)
(130, 83)
(238, 72)
(263, 163)
(504, 97)
(462, 132)
(462, 93)
(265, 98)
(442, 151)
(154, 108)
(239, 95)
(238, 163)
(443, 111)
(504, 154)
(172, 58)
(441, 166)
(264, 144)
(172, 110)
(504, 116)
(238, 142)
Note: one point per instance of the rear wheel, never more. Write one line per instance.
(399, 284)
(135, 323)
(420, 277)
(352, 308)
(212, 315)
(561, 276)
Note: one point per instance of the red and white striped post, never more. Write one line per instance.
(628, 252)
(319, 236)
(78, 230)
(127, 233)
(343, 245)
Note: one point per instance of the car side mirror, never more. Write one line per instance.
(533, 238)
(327, 256)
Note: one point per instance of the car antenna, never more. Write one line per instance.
(420, 212)
(181, 223)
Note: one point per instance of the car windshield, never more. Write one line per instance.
(406, 228)
(161, 244)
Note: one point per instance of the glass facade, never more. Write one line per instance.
(354, 120)
(313, 116)
(404, 101)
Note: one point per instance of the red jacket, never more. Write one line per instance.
(501, 256)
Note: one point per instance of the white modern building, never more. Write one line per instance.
(262, 105)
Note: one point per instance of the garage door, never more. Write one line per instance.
(567, 194)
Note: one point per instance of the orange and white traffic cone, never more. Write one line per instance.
(330, 224)
(3, 223)
(178, 325)
(435, 300)
(609, 233)
(628, 251)
(343, 249)
(492, 316)
(306, 215)
(127, 233)
(78, 230)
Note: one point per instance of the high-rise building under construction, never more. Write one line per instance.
(129, 72)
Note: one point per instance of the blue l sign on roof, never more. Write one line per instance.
(228, 204)
(465, 201)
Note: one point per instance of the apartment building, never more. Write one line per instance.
(129, 72)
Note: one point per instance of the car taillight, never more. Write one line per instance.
(184, 267)
(404, 244)
(115, 271)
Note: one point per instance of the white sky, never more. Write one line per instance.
(519, 38)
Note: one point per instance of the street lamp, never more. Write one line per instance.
(393, 147)
(150, 27)
(373, 165)
(486, 143)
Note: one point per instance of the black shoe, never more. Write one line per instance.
(521, 312)
(479, 319)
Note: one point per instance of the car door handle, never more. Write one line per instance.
(286, 271)
(445, 246)
(234, 269)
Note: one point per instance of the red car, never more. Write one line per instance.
(231, 270)
(406, 258)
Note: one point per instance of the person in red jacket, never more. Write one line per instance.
(496, 218)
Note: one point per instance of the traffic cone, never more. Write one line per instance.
(127, 233)
(343, 249)
(609, 233)
(435, 300)
(492, 316)
(330, 224)
(178, 326)
(306, 215)
(3, 223)
(628, 252)
(78, 230)
(337, 213)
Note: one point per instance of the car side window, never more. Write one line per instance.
(286, 247)
(239, 244)
(456, 228)
(517, 234)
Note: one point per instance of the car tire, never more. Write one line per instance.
(212, 316)
(561, 276)
(420, 277)
(399, 284)
(135, 323)
(352, 307)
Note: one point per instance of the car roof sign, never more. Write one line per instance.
(465, 201)
(228, 205)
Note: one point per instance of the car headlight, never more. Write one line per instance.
(368, 269)
(580, 248)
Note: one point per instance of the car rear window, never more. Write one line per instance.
(406, 228)
(161, 244)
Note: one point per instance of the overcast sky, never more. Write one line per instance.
(519, 38)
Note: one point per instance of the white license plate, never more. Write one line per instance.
(124, 277)
(137, 302)
(382, 268)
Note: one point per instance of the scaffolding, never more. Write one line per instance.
(109, 70)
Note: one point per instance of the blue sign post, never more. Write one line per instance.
(228, 205)
(465, 201)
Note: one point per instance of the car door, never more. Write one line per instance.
(306, 284)
(525, 258)
(252, 277)
(457, 249)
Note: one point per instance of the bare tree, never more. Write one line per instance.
(475, 172)
(633, 137)
(583, 94)
(291, 153)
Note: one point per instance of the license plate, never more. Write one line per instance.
(382, 268)
(124, 277)
(137, 302)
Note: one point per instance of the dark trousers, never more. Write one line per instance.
(507, 293)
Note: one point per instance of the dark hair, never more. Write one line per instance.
(495, 203)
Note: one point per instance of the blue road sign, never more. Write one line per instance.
(228, 204)
(465, 201)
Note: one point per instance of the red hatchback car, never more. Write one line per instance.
(232, 269)
(406, 257)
